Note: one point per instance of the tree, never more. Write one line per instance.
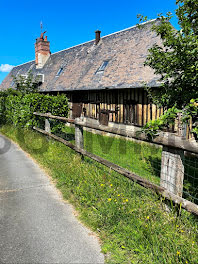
(176, 62)
(26, 84)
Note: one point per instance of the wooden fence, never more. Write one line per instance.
(172, 167)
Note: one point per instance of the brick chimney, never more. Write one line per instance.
(42, 51)
(97, 38)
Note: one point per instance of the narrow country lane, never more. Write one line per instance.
(36, 226)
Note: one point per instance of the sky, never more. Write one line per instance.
(68, 23)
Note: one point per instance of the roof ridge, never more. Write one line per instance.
(147, 22)
(152, 20)
(23, 63)
(74, 46)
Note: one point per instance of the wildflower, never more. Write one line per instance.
(118, 195)
(186, 262)
(115, 200)
(109, 199)
(148, 217)
(127, 200)
(193, 242)
(182, 231)
(101, 184)
(111, 184)
(178, 253)
(177, 226)
(195, 104)
(123, 247)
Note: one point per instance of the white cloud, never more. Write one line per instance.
(6, 68)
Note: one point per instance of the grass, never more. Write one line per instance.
(142, 159)
(191, 179)
(130, 220)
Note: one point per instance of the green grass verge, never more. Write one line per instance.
(130, 220)
(142, 159)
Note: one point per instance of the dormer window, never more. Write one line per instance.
(59, 72)
(102, 66)
(40, 78)
(24, 76)
(12, 83)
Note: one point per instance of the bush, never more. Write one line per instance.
(18, 109)
(2, 108)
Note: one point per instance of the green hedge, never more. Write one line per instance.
(2, 107)
(18, 109)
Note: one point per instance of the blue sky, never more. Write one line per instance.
(68, 23)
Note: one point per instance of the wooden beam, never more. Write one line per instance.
(79, 139)
(165, 139)
(145, 108)
(47, 125)
(172, 170)
(64, 119)
(189, 206)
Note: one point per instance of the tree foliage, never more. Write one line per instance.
(176, 61)
(26, 84)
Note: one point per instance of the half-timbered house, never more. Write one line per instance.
(103, 78)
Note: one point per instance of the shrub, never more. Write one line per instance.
(18, 109)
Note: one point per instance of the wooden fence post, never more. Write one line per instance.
(79, 141)
(47, 125)
(172, 170)
(182, 127)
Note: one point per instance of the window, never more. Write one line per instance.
(102, 66)
(40, 78)
(24, 76)
(59, 72)
(12, 83)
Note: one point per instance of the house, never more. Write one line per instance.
(103, 78)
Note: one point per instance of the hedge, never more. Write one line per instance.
(18, 109)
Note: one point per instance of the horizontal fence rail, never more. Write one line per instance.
(165, 139)
(172, 162)
(64, 119)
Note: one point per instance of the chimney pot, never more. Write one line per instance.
(97, 38)
(42, 51)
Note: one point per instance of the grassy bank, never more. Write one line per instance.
(130, 220)
(142, 159)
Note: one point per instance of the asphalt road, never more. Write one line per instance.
(36, 226)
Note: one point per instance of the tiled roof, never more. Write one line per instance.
(125, 50)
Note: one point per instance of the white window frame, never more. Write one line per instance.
(43, 77)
